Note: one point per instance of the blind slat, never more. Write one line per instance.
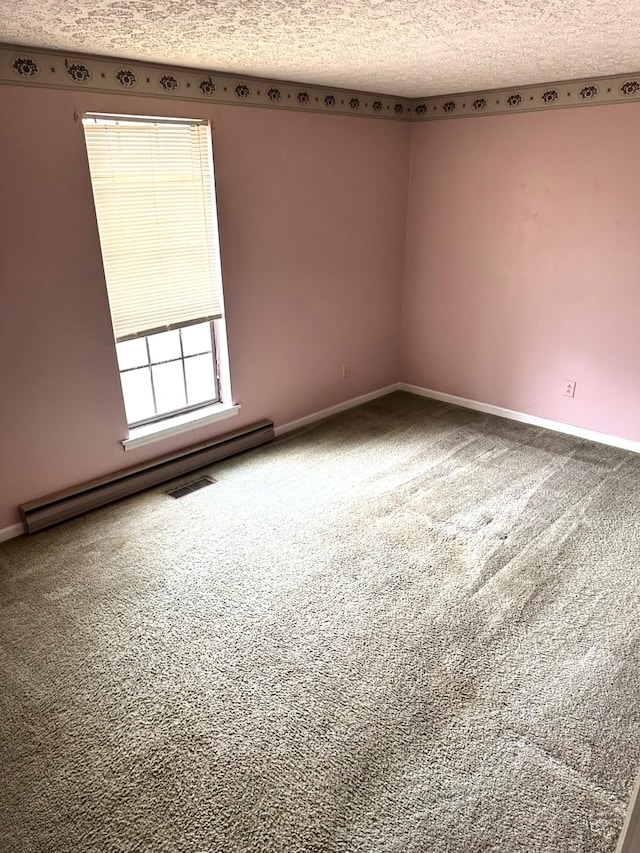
(153, 192)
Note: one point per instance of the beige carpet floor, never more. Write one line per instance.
(408, 628)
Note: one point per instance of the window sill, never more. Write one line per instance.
(139, 436)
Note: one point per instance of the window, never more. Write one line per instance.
(167, 373)
(153, 187)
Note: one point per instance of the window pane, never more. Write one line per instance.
(138, 397)
(201, 383)
(132, 353)
(168, 383)
(164, 346)
(196, 339)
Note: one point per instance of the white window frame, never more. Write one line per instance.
(160, 427)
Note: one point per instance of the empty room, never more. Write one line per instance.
(319, 427)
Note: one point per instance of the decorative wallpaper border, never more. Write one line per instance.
(54, 69)
(548, 96)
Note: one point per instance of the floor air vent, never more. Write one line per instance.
(61, 506)
(187, 488)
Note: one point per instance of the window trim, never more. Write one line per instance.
(188, 418)
(176, 424)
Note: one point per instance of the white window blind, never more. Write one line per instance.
(153, 190)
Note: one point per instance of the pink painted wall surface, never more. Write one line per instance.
(312, 218)
(522, 270)
(523, 263)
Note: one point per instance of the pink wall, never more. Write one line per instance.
(522, 269)
(523, 263)
(312, 217)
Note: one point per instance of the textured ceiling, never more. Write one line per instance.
(402, 47)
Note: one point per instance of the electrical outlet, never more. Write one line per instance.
(346, 371)
(569, 388)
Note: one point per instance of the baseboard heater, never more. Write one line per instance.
(61, 506)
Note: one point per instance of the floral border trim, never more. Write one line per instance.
(53, 69)
(572, 93)
(35, 67)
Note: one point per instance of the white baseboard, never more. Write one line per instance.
(334, 410)
(11, 532)
(464, 402)
(534, 420)
(580, 432)
(629, 841)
